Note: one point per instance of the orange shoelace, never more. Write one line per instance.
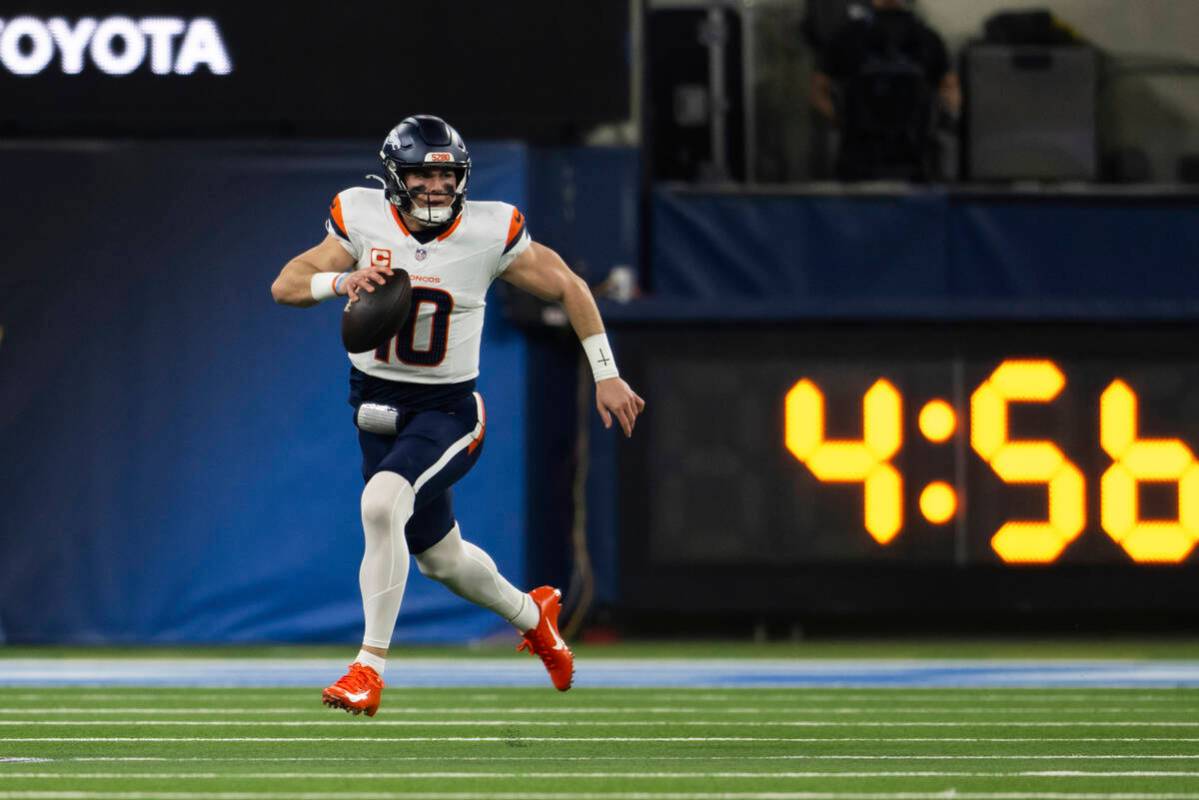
(358, 679)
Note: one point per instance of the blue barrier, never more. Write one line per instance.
(179, 462)
(924, 253)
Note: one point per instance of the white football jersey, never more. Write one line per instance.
(450, 276)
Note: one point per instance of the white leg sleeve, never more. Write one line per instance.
(469, 572)
(387, 504)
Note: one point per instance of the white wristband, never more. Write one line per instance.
(599, 356)
(325, 285)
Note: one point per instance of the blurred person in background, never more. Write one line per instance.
(420, 421)
(885, 79)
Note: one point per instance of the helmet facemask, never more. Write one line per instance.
(416, 204)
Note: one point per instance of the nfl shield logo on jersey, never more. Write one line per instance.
(421, 253)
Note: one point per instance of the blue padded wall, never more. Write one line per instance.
(924, 253)
(179, 462)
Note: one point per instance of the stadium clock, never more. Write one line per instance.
(1018, 461)
(1001, 445)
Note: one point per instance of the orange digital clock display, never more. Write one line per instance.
(1133, 460)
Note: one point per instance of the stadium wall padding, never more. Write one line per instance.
(585, 203)
(926, 253)
(179, 461)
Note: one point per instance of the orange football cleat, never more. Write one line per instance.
(358, 690)
(546, 642)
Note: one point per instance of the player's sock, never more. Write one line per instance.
(375, 662)
(528, 616)
(467, 571)
(387, 504)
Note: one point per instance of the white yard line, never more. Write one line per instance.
(457, 775)
(791, 757)
(522, 711)
(540, 723)
(943, 795)
(520, 738)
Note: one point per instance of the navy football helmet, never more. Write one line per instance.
(421, 142)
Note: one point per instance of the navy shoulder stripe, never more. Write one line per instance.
(337, 229)
(515, 237)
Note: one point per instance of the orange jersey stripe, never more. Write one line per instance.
(514, 227)
(395, 214)
(446, 233)
(338, 220)
(478, 440)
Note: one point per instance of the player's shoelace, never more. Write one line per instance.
(358, 679)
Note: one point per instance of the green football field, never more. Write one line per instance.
(891, 744)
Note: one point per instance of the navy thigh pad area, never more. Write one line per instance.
(432, 451)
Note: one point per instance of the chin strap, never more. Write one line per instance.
(443, 214)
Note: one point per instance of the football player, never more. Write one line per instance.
(421, 423)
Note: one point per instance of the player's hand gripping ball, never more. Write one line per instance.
(376, 316)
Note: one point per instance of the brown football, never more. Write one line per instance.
(376, 316)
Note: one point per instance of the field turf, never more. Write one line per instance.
(460, 744)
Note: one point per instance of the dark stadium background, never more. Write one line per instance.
(177, 460)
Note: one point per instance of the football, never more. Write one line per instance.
(377, 315)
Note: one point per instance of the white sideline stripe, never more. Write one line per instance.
(431, 723)
(517, 737)
(881, 694)
(805, 757)
(615, 672)
(581, 775)
(884, 695)
(846, 710)
(158, 693)
(456, 448)
(950, 794)
(131, 710)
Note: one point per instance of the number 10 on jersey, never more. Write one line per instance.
(427, 349)
(1134, 460)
